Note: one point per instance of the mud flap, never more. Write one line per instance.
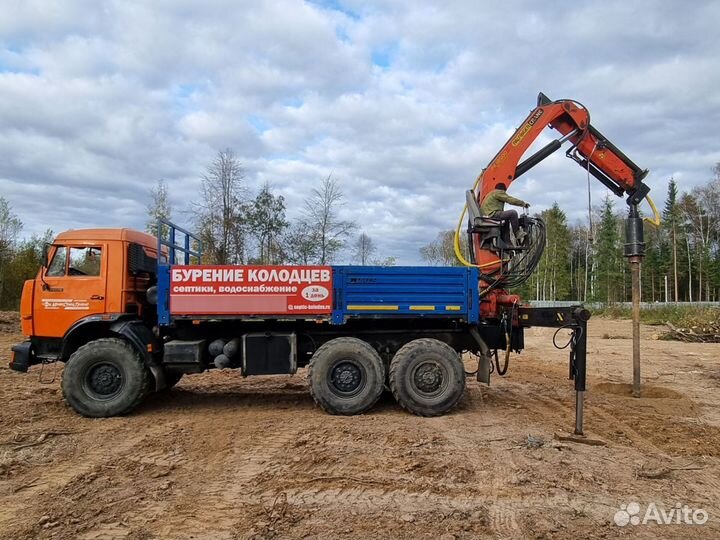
(144, 341)
(484, 368)
(22, 357)
(484, 361)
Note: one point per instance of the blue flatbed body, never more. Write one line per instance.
(372, 292)
(337, 295)
(405, 291)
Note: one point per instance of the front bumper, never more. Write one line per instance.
(22, 357)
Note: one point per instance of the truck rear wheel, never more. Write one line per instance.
(346, 376)
(105, 377)
(427, 377)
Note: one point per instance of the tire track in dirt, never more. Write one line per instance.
(455, 435)
(502, 512)
(551, 409)
(379, 499)
(505, 513)
(502, 516)
(65, 472)
(332, 482)
(210, 509)
(158, 459)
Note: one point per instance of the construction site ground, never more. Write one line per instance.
(221, 456)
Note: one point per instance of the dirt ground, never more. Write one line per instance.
(225, 457)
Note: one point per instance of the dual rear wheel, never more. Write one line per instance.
(347, 376)
(427, 377)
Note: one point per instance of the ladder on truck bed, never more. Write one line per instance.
(167, 235)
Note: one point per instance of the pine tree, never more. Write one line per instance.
(553, 273)
(652, 266)
(608, 272)
(266, 222)
(671, 218)
(159, 208)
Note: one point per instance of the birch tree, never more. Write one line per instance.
(323, 213)
(220, 212)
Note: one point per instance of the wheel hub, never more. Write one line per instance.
(346, 377)
(104, 380)
(428, 377)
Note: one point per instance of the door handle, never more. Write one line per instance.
(97, 297)
(48, 288)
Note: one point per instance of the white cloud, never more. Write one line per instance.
(101, 99)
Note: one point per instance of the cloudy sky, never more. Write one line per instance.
(404, 102)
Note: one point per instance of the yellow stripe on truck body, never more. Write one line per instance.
(382, 307)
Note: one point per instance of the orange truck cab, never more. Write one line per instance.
(93, 283)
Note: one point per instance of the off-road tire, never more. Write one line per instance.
(346, 376)
(112, 365)
(431, 364)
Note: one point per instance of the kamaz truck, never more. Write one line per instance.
(130, 314)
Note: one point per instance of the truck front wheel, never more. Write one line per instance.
(427, 377)
(346, 376)
(105, 377)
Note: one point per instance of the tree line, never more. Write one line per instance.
(239, 227)
(585, 261)
(234, 225)
(19, 259)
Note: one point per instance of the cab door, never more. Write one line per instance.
(73, 286)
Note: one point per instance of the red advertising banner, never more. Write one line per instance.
(250, 290)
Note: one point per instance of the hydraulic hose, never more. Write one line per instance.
(456, 240)
(655, 220)
(458, 250)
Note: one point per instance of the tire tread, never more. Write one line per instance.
(146, 378)
(395, 383)
(318, 356)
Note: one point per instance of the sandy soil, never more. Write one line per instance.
(225, 457)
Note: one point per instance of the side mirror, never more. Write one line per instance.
(46, 250)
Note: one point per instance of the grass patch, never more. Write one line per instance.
(681, 316)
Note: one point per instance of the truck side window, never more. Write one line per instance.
(84, 261)
(57, 266)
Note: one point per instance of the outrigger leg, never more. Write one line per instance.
(573, 318)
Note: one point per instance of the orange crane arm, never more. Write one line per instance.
(590, 149)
